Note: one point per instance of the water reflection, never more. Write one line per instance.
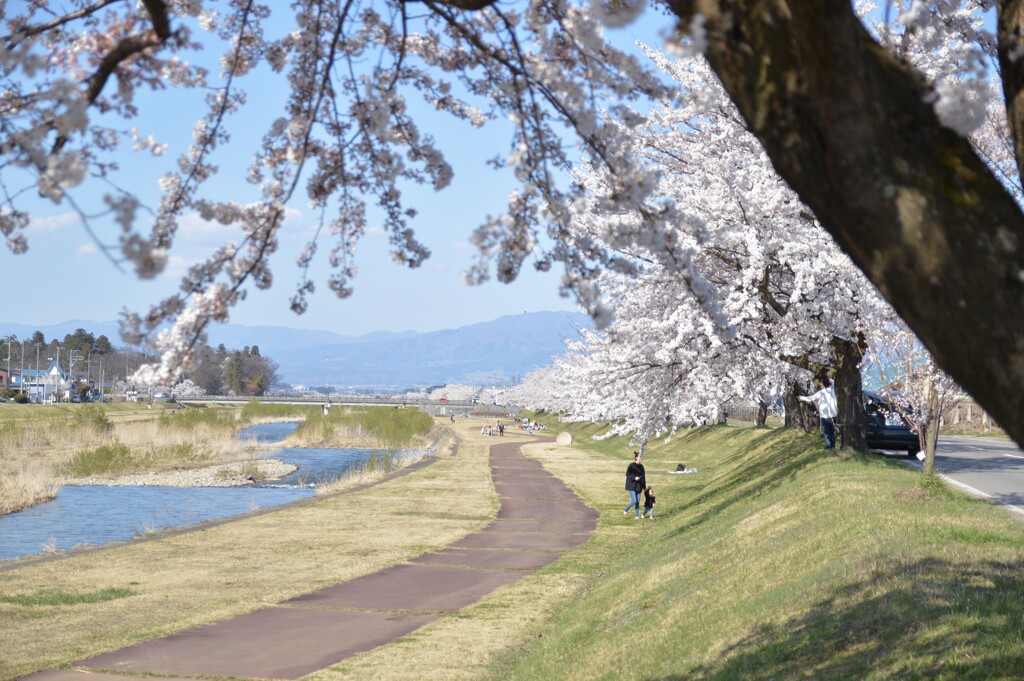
(97, 515)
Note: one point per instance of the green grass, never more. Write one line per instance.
(57, 597)
(47, 412)
(190, 418)
(778, 561)
(118, 458)
(392, 428)
(256, 409)
(95, 417)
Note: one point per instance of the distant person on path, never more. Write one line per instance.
(636, 481)
(501, 429)
(825, 401)
(648, 503)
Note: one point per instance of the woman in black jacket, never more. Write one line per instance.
(636, 483)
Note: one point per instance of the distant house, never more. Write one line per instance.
(45, 385)
(9, 378)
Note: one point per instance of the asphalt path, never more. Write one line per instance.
(983, 466)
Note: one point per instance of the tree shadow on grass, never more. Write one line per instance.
(927, 619)
(755, 474)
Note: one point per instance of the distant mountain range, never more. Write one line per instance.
(488, 353)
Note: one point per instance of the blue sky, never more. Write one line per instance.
(64, 276)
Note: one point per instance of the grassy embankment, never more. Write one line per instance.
(774, 561)
(777, 561)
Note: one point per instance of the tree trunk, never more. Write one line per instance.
(931, 433)
(798, 414)
(849, 126)
(762, 413)
(850, 394)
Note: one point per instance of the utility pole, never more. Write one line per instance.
(37, 367)
(72, 356)
(22, 367)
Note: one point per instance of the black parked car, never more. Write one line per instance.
(886, 429)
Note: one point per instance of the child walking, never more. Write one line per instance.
(648, 503)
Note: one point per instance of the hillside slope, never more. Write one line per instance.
(779, 561)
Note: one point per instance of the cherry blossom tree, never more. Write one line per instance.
(913, 386)
(187, 389)
(456, 392)
(873, 144)
(541, 389)
(877, 150)
(72, 74)
(745, 282)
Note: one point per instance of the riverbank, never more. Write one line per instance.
(776, 561)
(191, 578)
(224, 474)
(41, 445)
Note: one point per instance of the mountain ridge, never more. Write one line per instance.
(492, 352)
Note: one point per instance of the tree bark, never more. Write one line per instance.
(931, 433)
(850, 395)
(762, 413)
(849, 127)
(798, 414)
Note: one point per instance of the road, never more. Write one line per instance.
(993, 468)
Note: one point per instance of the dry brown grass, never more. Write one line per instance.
(201, 577)
(31, 485)
(33, 450)
(441, 440)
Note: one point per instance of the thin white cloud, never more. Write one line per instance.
(85, 250)
(53, 223)
(177, 266)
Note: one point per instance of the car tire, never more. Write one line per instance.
(912, 453)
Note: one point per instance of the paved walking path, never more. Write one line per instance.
(539, 519)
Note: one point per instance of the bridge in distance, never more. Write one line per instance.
(432, 407)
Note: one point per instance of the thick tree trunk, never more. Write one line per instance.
(798, 414)
(762, 413)
(850, 128)
(850, 394)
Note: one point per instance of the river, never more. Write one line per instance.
(92, 515)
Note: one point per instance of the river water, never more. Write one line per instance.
(81, 515)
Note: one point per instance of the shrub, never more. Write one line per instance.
(111, 459)
(95, 418)
(189, 419)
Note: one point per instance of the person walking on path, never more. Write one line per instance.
(825, 401)
(648, 503)
(501, 429)
(636, 481)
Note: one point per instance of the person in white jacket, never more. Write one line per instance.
(825, 401)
